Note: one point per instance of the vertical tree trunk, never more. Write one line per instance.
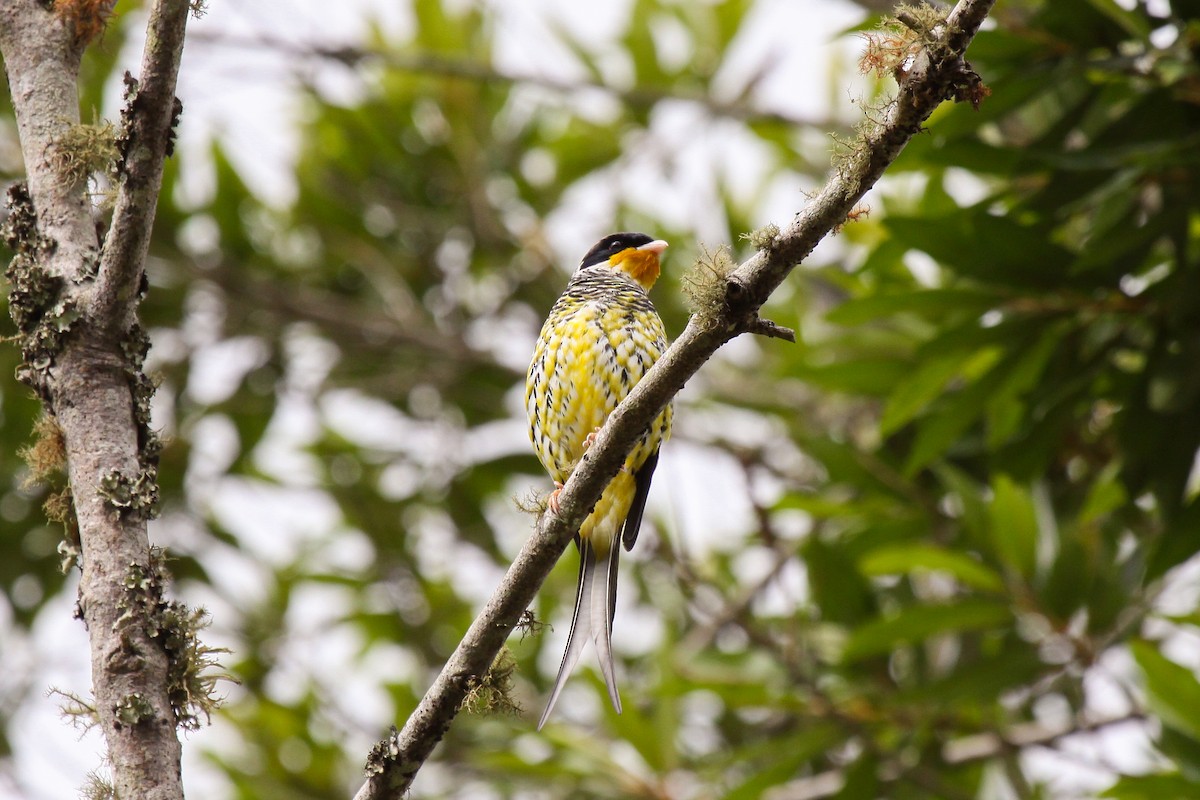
(74, 305)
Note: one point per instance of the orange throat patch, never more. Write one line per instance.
(641, 265)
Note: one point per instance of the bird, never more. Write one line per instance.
(602, 335)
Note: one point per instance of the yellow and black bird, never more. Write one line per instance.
(601, 337)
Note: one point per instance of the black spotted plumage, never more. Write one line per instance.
(599, 339)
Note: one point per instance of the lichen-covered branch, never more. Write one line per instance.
(41, 59)
(937, 72)
(82, 353)
(147, 137)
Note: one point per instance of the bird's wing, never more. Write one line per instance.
(633, 520)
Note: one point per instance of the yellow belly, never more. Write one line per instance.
(585, 363)
(604, 523)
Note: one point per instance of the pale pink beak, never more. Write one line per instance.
(656, 247)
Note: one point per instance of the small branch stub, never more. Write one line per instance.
(739, 299)
(772, 330)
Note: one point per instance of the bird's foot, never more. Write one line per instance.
(590, 439)
(552, 503)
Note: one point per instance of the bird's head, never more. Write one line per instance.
(635, 254)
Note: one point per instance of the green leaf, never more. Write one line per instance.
(1134, 23)
(1013, 526)
(969, 496)
(790, 754)
(951, 420)
(1182, 749)
(917, 623)
(1154, 787)
(862, 779)
(919, 557)
(639, 44)
(1004, 406)
(865, 376)
(729, 16)
(838, 589)
(653, 735)
(926, 302)
(978, 680)
(992, 249)
(924, 385)
(1105, 496)
(1172, 691)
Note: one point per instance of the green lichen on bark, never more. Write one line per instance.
(133, 709)
(492, 694)
(131, 494)
(191, 665)
(705, 285)
(42, 314)
(84, 149)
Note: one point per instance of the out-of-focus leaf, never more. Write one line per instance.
(862, 779)
(1175, 545)
(1014, 527)
(800, 748)
(995, 250)
(870, 377)
(1105, 496)
(1005, 408)
(919, 557)
(917, 623)
(1182, 749)
(923, 385)
(976, 682)
(654, 736)
(1171, 689)
(926, 302)
(966, 501)
(1133, 23)
(944, 425)
(639, 43)
(839, 590)
(1153, 787)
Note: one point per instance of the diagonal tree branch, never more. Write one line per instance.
(82, 353)
(936, 73)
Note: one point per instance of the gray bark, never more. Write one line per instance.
(90, 377)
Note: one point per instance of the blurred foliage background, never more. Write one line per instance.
(943, 547)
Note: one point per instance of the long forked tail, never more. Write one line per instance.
(595, 605)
